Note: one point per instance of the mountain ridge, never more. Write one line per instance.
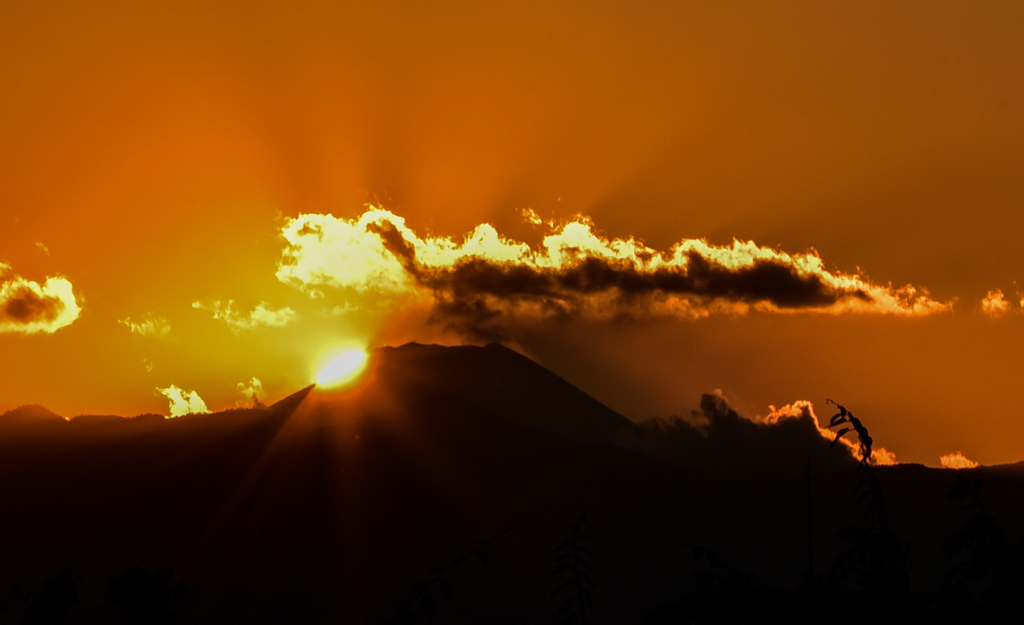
(330, 505)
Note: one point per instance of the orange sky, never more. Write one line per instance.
(152, 157)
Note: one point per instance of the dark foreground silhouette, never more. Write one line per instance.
(470, 485)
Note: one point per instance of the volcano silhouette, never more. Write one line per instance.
(334, 505)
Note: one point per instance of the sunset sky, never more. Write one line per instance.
(779, 201)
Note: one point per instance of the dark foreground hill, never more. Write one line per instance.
(340, 506)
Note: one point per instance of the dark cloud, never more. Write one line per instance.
(23, 306)
(486, 284)
(473, 295)
(28, 307)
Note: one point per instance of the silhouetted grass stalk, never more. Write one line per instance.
(877, 554)
(573, 556)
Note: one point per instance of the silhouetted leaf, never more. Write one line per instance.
(482, 557)
(458, 559)
(839, 435)
(446, 587)
(559, 569)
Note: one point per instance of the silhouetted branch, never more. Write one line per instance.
(423, 596)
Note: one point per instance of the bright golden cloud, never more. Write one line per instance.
(957, 461)
(471, 284)
(262, 316)
(994, 304)
(183, 402)
(28, 307)
(883, 456)
(799, 408)
(804, 408)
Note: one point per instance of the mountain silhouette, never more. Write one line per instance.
(31, 415)
(336, 505)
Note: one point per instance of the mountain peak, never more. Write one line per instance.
(31, 413)
(496, 379)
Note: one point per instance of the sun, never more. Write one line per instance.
(342, 368)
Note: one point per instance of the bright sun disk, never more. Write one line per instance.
(342, 368)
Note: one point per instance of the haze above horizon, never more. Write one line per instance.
(200, 206)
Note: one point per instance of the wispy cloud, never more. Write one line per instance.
(476, 283)
(150, 326)
(183, 402)
(253, 393)
(262, 316)
(28, 307)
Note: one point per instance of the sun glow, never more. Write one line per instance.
(342, 368)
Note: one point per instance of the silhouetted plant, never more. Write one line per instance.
(877, 555)
(572, 559)
(423, 599)
(15, 593)
(145, 596)
(992, 568)
(51, 606)
(720, 575)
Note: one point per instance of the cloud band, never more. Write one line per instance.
(477, 283)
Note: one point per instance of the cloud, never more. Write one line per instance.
(531, 216)
(957, 461)
(152, 326)
(27, 307)
(994, 304)
(253, 392)
(183, 403)
(883, 456)
(803, 409)
(261, 316)
(42, 247)
(716, 436)
(476, 284)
